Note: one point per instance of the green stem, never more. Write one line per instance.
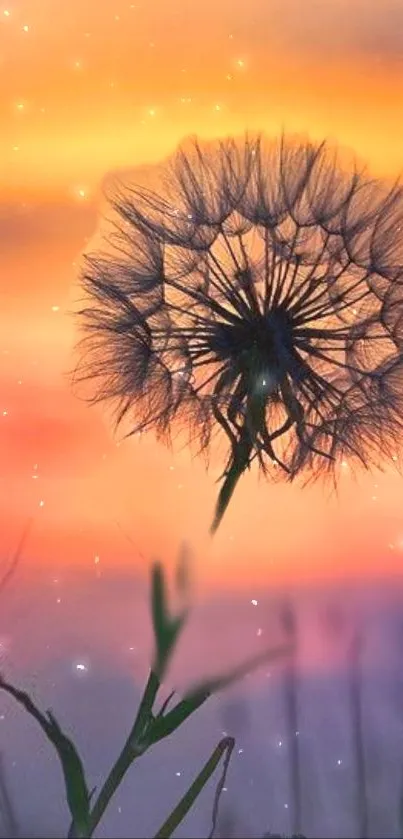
(132, 749)
(239, 462)
(186, 803)
(358, 735)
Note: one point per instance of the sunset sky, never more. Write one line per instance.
(87, 88)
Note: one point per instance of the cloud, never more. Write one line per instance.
(336, 28)
(29, 226)
(48, 426)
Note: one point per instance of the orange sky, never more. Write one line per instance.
(87, 87)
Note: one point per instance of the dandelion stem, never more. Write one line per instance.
(240, 460)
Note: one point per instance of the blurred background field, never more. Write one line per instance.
(93, 681)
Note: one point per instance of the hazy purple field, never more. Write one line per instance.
(96, 702)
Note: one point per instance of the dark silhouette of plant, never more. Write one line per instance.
(151, 724)
(7, 812)
(356, 699)
(256, 295)
(335, 623)
(289, 624)
(7, 575)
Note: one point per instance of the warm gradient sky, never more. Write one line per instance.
(88, 87)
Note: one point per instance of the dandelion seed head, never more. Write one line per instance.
(256, 296)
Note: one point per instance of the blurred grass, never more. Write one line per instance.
(150, 726)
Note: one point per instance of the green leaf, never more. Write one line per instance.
(165, 725)
(166, 629)
(77, 793)
(182, 573)
(158, 601)
(224, 747)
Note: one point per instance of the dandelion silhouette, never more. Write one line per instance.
(256, 297)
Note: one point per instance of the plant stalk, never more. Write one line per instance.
(135, 745)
